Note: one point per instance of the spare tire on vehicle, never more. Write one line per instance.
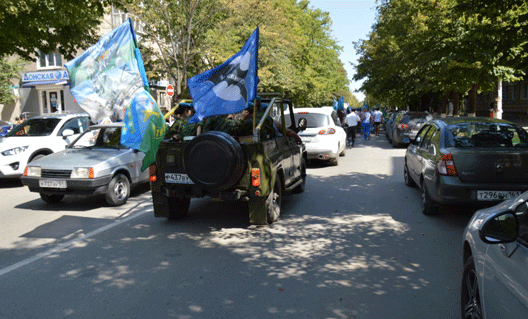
(214, 161)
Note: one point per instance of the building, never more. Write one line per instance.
(44, 87)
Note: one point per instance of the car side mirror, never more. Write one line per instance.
(67, 132)
(416, 140)
(302, 124)
(501, 228)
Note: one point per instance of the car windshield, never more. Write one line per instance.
(313, 119)
(105, 137)
(415, 118)
(34, 127)
(477, 134)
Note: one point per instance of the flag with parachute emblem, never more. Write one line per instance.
(229, 87)
(109, 78)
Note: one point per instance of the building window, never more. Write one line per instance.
(51, 60)
(506, 93)
(119, 17)
(512, 90)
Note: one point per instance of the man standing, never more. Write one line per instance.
(352, 121)
(378, 117)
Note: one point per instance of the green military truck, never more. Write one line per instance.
(228, 168)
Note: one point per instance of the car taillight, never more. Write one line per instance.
(446, 166)
(255, 177)
(327, 131)
(402, 126)
(152, 173)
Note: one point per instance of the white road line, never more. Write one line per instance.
(68, 243)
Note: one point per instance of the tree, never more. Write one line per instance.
(9, 69)
(30, 26)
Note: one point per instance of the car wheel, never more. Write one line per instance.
(51, 198)
(428, 206)
(118, 190)
(178, 207)
(408, 179)
(37, 157)
(268, 206)
(470, 295)
(343, 152)
(300, 188)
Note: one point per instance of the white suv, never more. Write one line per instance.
(37, 137)
(324, 137)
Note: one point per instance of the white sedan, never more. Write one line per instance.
(324, 137)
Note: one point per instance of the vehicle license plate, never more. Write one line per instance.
(178, 178)
(497, 195)
(52, 183)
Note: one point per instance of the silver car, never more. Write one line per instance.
(494, 282)
(95, 163)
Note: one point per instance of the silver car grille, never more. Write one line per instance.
(54, 173)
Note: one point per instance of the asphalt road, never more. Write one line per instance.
(353, 245)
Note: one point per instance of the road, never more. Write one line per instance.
(354, 245)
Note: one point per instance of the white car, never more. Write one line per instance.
(324, 137)
(495, 245)
(37, 137)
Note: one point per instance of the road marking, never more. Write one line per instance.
(69, 243)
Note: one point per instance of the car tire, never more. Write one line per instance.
(334, 161)
(270, 205)
(299, 189)
(36, 157)
(470, 294)
(178, 207)
(429, 207)
(343, 152)
(218, 172)
(408, 179)
(118, 190)
(51, 198)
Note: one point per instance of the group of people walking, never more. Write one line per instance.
(366, 118)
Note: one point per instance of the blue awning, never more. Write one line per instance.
(35, 83)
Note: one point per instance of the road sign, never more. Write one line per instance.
(170, 90)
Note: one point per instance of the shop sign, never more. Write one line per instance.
(55, 75)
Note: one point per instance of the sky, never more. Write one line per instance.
(352, 20)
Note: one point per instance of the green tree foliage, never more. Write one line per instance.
(29, 26)
(9, 69)
(419, 53)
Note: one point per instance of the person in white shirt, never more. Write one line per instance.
(378, 117)
(351, 120)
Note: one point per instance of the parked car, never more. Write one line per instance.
(37, 137)
(467, 160)
(4, 127)
(95, 163)
(495, 246)
(389, 125)
(324, 137)
(406, 126)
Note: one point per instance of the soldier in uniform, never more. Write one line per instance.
(175, 129)
(192, 129)
(222, 123)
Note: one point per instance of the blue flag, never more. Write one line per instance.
(110, 78)
(341, 104)
(335, 103)
(229, 87)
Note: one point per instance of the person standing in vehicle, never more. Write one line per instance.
(352, 121)
(377, 117)
(365, 122)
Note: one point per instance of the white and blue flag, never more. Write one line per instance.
(229, 87)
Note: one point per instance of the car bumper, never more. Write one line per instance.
(73, 186)
(12, 166)
(450, 190)
(321, 151)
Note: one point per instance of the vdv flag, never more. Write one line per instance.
(335, 103)
(110, 78)
(229, 87)
(341, 104)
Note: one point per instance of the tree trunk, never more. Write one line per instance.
(472, 102)
(445, 100)
(456, 107)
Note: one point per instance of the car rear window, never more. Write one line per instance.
(313, 119)
(34, 127)
(415, 118)
(477, 134)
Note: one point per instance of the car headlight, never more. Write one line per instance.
(14, 151)
(82, 172)
(32, 171)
